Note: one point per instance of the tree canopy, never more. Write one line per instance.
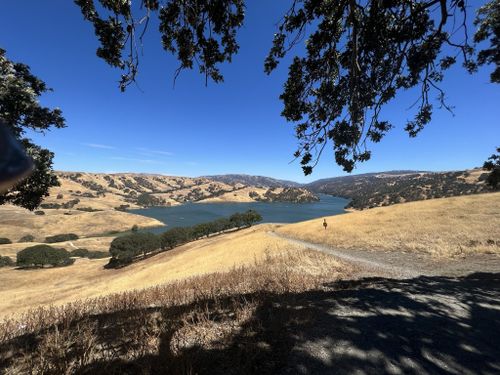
(358, 56)
(20, 110)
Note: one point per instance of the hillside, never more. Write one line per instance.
(447, 227)
(253, 302)
(386, 188)
(257, 181)
(21, 290)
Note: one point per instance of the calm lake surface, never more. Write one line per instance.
(278, 212)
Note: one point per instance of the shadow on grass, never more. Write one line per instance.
(425, 325)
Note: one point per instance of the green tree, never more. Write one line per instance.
(359, 55)
(237, 220)
(6, 261)
(175, 237)
(20, 109)
(251, 217)
(42, 255)
(61, 238)
(493, 165)
(125, 248)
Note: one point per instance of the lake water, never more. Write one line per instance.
(277, 212)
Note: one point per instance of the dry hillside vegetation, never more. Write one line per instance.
(445, 227)
(17, 222)
(200, 311)
(98, 191)
(24, 289)
(383, 189)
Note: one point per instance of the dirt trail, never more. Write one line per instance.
(419, 315)
(401, 264)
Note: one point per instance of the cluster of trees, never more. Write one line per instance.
(124, 249)
(6, 261)
(127, 248)
(148, 200)
(371, 190)
(61, 238)
(84, 253)
(43, 255)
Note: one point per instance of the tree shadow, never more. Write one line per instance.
(424, 325)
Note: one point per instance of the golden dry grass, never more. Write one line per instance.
(24, 289)
(91, 243)
(440, 227)
(240, 195)
(16, 222)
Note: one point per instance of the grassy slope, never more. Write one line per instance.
(441, 227)
(22, 289)
(16, 222)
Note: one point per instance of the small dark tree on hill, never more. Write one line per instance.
(61, 238)
(4, 241)
(237, 220)
(124, 249)
(251, 217)
(27, 238)
(175, 237)
(6, 262)
(43, 255)
(493, 165)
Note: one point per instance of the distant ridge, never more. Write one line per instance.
(246, 179)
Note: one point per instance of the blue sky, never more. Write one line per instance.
(234, 127)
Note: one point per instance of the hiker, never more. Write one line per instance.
(14, 163)
(324, 223)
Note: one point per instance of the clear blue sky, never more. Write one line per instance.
(234, 127)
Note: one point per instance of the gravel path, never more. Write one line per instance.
(404, 264)
(405, 313)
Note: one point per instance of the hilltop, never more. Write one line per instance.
(258, 181)
(387, 188)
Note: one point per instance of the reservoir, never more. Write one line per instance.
(272, 212)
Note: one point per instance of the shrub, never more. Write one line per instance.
(6, 262)
(98, 254)
(27, 238)
(84, 253)
(81, 253)
(135, 228)
(41, 255)
(124, 249)
(175, 237)
(61, 238)
(4, 241)
(60, 196)
(39, 213)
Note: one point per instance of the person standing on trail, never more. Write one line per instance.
(324, 223)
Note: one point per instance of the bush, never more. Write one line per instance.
(61, 238)
(98, 254)
(27, 238)
(124, 249)
(39, 213)
(4, 241)
(84, 253)
(6, 262)
(175, 237)
(135, 228)
(42, 255)
(81, 253)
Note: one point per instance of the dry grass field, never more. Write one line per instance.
(441, 227)
(17, 222)
(24, 289)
